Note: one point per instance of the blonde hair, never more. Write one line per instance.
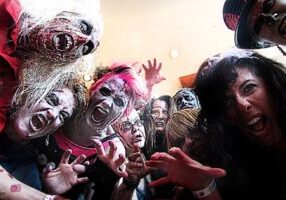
(180, 126)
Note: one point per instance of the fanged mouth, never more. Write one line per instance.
(99, 114)
(63, 42)
(37, 122)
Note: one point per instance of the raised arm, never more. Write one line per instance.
(152, 75)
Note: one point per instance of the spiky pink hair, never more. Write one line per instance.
(135, 86)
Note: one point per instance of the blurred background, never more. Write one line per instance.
(179, 33)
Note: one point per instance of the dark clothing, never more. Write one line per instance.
(101, 178)
(20, 160)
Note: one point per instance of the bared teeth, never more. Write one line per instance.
(253, 121)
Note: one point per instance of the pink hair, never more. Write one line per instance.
(135, 87)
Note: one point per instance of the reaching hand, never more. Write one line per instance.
(136, 167)
(152, 73)
(61, 179)
(113, 160)
(182, 170)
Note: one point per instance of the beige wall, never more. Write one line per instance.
(138, 30)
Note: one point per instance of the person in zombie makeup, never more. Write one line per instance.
(131, 130)
(112, 95)
(36, 49)
(186, 98)
(18, 156)
(242, 118)
(257, 23)
(155, 117)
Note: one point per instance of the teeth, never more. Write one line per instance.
(62, 42)
(253, 121)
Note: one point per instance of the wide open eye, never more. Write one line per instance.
(87, 48)
(119, 102)
(85, 27)
(104, 91)
(52, 99)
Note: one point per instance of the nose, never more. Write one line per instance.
(54, 112)
(242, 103)
(134, 129)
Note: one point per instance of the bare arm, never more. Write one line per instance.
(11, 188)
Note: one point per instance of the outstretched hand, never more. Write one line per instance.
(152, 73)
(182, 170)
(65, 176)
(111, 158)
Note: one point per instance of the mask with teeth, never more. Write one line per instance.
(63, 39)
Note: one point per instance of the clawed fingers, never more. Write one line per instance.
(99, 147)
(66, 156)
(112, 149)
(79, 160)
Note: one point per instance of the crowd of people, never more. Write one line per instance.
(222, 139)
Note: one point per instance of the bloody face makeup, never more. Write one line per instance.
(65, 38)
(186, 98)
(160, 114)
(251, 109)
(46, 116)
(132, 130)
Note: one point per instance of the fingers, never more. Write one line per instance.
(161, 181)
(120, 160)
(179, 154)
(66, 156)
(144, 67)
(112, 149)
(82, 180)
(48, 168)
(157, 164)
(79, 169)
(154, 63)
(149, 63)
(79, 160)
(216, 172)
(99, 148)
(162, 157)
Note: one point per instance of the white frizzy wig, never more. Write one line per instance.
(42, 11)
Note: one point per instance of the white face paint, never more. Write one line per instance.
(132, 130)
(46, 116)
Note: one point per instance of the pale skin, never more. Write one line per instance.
(178, 165)
(65, 176)
(12, 189)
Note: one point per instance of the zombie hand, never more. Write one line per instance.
(152, 73)
(111, 158)
(65, 176)
(182, 170)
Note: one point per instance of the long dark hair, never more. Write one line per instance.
(213, 81)
(149, 125)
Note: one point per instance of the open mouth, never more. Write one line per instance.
(159, 124)
(99, 114)
(138, 138)
(37, 122)
(63, 42)
(257, 125)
